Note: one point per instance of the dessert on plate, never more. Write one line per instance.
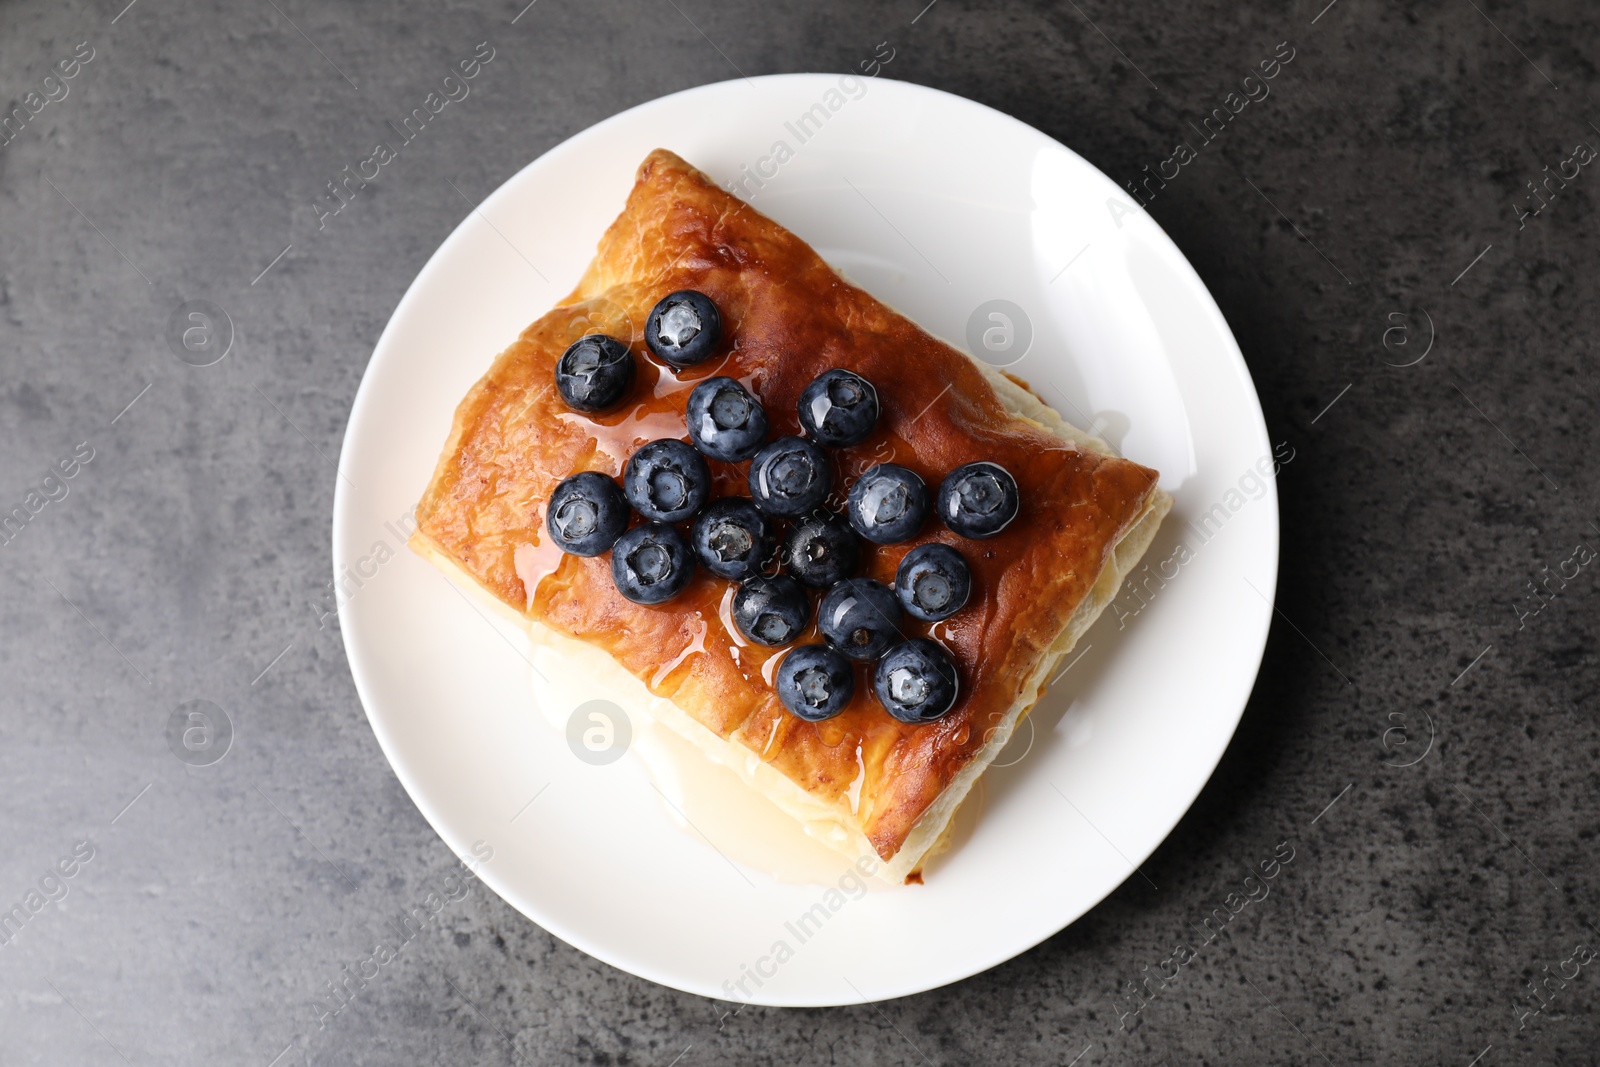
(837, 554)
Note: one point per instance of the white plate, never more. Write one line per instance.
(936, 205)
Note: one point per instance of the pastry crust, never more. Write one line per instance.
(1085, 519)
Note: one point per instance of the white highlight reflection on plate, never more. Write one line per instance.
(935, 204)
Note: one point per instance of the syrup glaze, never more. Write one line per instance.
(538, 557)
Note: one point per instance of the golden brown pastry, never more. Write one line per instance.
(1086, 516)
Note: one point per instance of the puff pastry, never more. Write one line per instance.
(1086, 515)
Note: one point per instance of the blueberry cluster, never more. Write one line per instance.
(668, 484)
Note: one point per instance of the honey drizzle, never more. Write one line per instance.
(695, 647)
(538, 559)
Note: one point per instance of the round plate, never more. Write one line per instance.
(987, 233)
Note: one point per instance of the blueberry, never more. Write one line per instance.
(651, 563)
(684, 328)
(888, 504)
(666, 481)
(860, 617)
(594, 373)
(815, 682)
(732, 538)
(587, 513)
(820, 550)
(771, 610)
(933, 582)
(838, 408)
(978, 500)
(790, 477)
(916, 681)
(725, 421)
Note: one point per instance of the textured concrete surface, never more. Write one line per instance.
(1414, 677)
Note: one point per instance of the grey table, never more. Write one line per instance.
(1422, 736)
